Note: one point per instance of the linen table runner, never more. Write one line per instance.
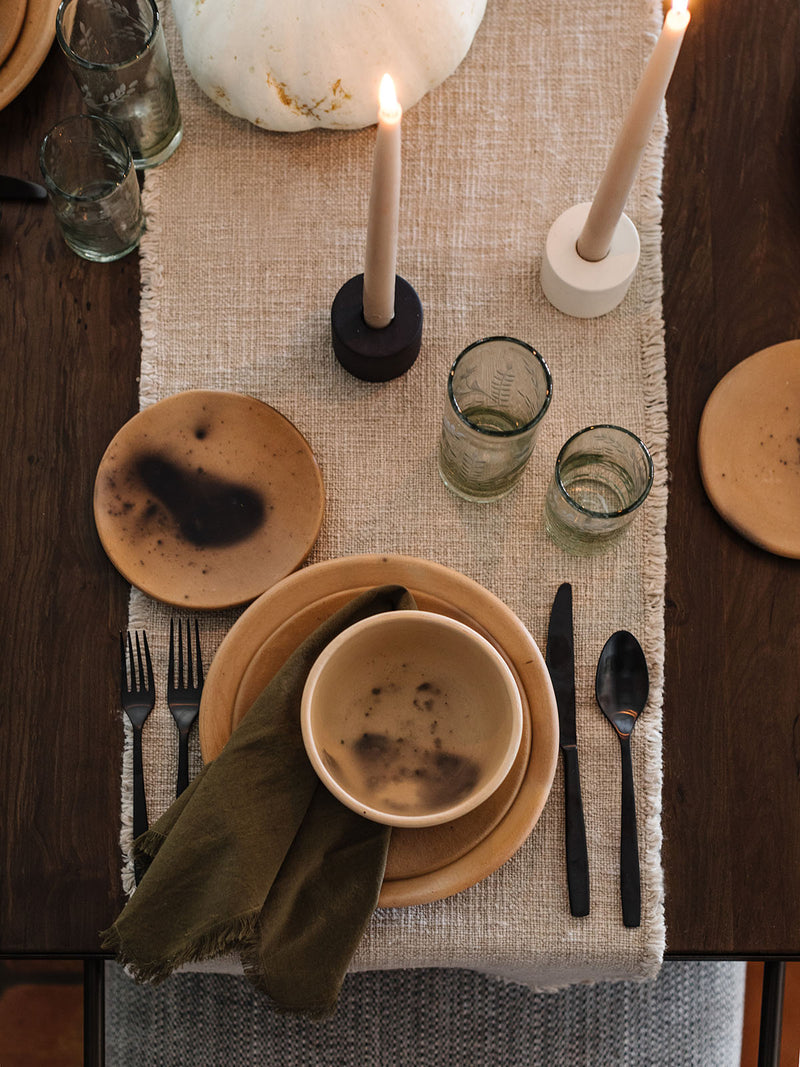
(250, 235)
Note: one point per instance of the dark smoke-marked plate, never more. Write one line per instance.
(207, 499)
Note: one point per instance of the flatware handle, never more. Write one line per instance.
(139, 800)
(629, 845)
(577, 857)
(183, 762)
(20, 189)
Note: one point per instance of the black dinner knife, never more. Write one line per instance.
(560, 659)
(19, 189)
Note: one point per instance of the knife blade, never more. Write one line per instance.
(560, 660)
(19, 189)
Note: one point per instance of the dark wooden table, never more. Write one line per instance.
(70, 351)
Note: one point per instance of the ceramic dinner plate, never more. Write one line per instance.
(12, 15)
(424, 864)
(749, 448)
(206, 499)
(29, 49)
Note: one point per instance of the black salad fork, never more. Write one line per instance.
(184, 689)
(138, 698)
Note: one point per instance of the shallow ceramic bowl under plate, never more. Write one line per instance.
(411, 718)
(206, 499)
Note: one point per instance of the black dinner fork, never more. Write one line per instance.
(184, 689)
(138, 698)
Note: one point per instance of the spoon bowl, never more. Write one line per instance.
(621, 687)
(622, 682)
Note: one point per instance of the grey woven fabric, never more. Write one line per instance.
(690, 1015)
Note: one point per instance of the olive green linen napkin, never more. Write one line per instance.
(257, 857)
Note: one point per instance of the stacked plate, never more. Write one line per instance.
(437, 861)
(27, 30)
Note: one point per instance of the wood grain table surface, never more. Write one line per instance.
(69, 352)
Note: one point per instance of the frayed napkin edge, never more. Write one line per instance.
(235, 935)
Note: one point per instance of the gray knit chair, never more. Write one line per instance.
(690, 1015)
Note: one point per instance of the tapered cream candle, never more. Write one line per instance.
(380, 263)
(594, 240)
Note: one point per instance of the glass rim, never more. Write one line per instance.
(487, 431)
(644, 451)
(87, 64)
(53, 185)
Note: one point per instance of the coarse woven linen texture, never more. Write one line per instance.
(250, 235)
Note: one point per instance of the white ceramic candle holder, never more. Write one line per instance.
(577, 286)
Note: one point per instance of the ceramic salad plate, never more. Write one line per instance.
(206, 499)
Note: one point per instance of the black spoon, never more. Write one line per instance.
(621, 687)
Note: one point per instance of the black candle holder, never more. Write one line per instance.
(376, 355)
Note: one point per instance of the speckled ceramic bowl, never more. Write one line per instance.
(411, 718)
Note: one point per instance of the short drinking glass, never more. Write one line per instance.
(117, 54)
(91, 183)
(498, 391)
(602, 476)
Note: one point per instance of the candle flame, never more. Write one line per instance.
(680, 5)
(390, 108)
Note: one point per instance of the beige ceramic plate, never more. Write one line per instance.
(206, 499)
(435, 862)
(29, 51)
(749, 448)
(412, 853)
(12, 15)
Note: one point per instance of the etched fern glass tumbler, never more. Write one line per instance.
(498, 391)
(117, 54)
(87, 168)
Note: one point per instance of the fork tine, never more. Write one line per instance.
(193, 659)
(180, 653)
(189, 657)
(133, 681)
(151, 685)
(199, 655)
(123, 666)
(140, 681)
(185, 675)
(171, 668)
(131, 666)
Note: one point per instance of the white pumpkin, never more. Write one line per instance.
(297, 64)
